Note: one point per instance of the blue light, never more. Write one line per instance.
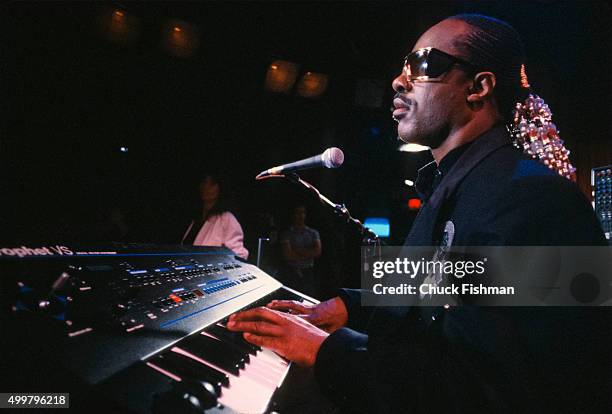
(379, 225)
(162, 269)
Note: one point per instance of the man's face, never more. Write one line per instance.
(427, 112)
(299, 216)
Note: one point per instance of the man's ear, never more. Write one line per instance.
(484, 83)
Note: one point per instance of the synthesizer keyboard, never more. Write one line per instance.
(137, 328)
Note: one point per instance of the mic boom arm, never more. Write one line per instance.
(368, 236)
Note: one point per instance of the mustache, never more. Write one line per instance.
(403, 98)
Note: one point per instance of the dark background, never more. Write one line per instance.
(71, 98)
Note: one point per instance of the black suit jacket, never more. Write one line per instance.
(478, 359)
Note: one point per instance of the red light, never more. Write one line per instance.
(414, 204)
(175, 298)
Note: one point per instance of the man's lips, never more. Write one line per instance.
(401, 107)
(400, 112)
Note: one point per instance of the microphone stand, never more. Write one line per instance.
(368, 237)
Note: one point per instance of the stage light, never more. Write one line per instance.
(414, 204)
(119, 26)
(312, 84)
(412, 148)
(281, 76)
(409, 183)
(180, 38)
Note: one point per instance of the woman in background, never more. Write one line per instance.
(215, 225)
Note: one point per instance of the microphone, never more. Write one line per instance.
(331, 158)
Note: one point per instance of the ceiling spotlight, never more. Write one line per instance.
(118, 26)
(180, 38)
(281, 76)
(312, 84)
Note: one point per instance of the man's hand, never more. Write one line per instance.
(329, 315)
(288, 335)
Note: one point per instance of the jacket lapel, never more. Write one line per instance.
(425, 224)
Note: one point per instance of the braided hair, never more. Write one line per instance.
(495, 46)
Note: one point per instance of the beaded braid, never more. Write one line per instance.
(496, 46)
(533, 131)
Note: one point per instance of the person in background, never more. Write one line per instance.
(300, 246)
(215, 225)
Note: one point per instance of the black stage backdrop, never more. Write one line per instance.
(72, 98)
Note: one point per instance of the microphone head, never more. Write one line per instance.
(333, 157)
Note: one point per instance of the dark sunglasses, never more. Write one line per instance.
(428, 64)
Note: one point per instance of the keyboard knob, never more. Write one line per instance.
(186, 397)
(202, 390)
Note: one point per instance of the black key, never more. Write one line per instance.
(243, 352)
(240, 357)
(234, 338)
(211, 350)
(235, 355)
(214, 375)
(187, 368)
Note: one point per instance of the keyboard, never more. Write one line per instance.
(139, 328)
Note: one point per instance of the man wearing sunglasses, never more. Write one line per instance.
(454, 93)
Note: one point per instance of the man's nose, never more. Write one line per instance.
(401, 84)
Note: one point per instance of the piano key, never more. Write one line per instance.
(252, 389)
(236, 338)
(211, 374)
(202, 347)
(242, 353)
(181, 368)
(262, 371)
(268, 359)
(260, 367)
(221, 348)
